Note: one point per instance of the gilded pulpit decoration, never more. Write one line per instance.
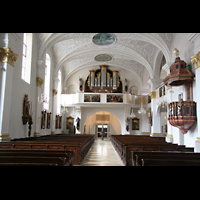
(39, 82)
(196, 60)
(26, 109)
(7, 55)
(55, 92)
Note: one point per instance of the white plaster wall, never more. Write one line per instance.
(19, 89)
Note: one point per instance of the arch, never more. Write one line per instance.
(57, 37)
(136, 76)
(115, 127)
(87, 112)
(134, 56)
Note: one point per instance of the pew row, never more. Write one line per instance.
(59, 146)
(127, 147)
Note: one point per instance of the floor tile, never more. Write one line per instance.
(102, 153)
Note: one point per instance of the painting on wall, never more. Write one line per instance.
(43, 118)
(92, 98)
(57, 121)
(135, 124)
(70, 122)
(49, 120)
(115, 98)
(60, 122)
(103, 39)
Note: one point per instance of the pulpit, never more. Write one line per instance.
(182, 114)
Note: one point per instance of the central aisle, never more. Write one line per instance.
(102, 153)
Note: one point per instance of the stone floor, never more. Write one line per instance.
(102, 153)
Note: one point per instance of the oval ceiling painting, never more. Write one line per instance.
(103, 39)
(103, 57)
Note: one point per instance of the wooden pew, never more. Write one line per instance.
(79, 144)
(176, 155)
(41, 153)
(59, 161)
(165, 162)
(125, 144)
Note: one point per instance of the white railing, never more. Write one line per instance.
(78, 98)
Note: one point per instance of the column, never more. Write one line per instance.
(169, 137)
(40, 89)
(54, 110)
(7, 59)
(196, 61)
(156, 127)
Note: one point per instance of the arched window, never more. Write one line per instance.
(47, 81)
(59, 91)
(26, 57)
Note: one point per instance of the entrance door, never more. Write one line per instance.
(105, 128)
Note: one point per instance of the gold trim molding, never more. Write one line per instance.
(169, 136)
(5, 136)
(196, 60)
(36, 134)
(198, 140)
(39, 82)
(145, 133)
(156, 134)
(152, 94)
(7, 55)
(55, 92)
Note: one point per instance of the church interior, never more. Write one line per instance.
(71, 93)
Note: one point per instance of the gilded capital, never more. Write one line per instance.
(6, 55)
(55, 92)
(39, 82)
(152, 94)
(196, 60)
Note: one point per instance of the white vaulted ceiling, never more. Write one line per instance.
(134, 52)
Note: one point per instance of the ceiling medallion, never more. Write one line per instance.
(103, 57)
(103, 39)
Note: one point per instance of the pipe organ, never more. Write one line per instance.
(104, 80)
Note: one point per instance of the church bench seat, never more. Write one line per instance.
(41, 153)
(60, 161)
(138, 156)
(124, 145)
(165, 162)
(78, 144)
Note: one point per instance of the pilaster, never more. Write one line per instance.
(7, 60)
(155, 128)
(169, 137)
(196, 61)
(40, 89)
